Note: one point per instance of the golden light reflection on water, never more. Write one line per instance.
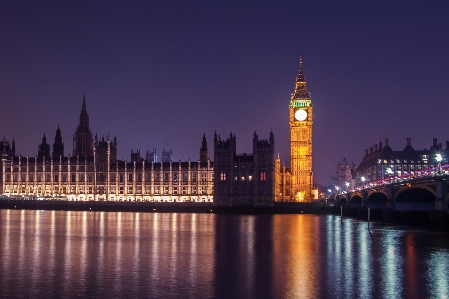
(83, 260)
(100, 264)
(137, 260)
(411, 267)
(296, 239)
(22, 240)
(35, 250)
(68, 253)
(99, 254)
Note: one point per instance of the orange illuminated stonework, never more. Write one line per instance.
(296, 183)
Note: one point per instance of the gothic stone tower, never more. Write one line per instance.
(301, 139)
(82, 140)
(204, 154)
(58, 146)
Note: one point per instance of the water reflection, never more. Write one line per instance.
(82, 254)
(438, 274)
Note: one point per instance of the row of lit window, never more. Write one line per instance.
(101, 190)
(397, 161)
(263, 176)
(63, 168)
(100, 177)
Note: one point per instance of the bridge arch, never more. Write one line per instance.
(376, 200)
(355, 201)
(342, 200)
(416, 198)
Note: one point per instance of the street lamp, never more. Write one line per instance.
(363, 182)
(336, 188)
(389, 172)
(439, 158)
(347, 186)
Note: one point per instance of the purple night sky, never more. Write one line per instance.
(162, 73)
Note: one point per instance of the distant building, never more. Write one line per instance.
(345, 176)
(151, 156)
(244, 178)
(6, 152)
(94, 173)
(167, 155)
(381, 162)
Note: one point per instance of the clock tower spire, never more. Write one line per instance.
(300, 121)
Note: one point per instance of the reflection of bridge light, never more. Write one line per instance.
(437, 272)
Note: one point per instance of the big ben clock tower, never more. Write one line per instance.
(301, 109)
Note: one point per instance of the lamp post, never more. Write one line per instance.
(439, 158)
(347, 186)
(363, 182)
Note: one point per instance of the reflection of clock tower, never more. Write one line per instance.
(301, 139)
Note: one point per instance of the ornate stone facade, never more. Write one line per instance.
(296, 183)
(244, 179)
(94, 173)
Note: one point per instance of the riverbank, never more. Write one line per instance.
(165, 207)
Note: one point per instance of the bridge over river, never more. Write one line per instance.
(425, 193)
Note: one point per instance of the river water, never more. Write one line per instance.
(167, 255)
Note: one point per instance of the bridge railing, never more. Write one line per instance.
(427, 172)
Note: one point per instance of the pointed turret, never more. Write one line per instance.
(272, 141)
(82, 141)
(84, 117)
(300, 85)
(204, 153)
(84, 102)
(58, 146)
(13, 149)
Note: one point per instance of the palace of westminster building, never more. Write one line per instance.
(93, 172)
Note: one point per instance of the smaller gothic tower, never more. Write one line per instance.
(44, 149)
(58, 146)
(105, 152)
(204, 154)
(6, 150)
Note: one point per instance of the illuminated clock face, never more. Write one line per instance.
(300, 115)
